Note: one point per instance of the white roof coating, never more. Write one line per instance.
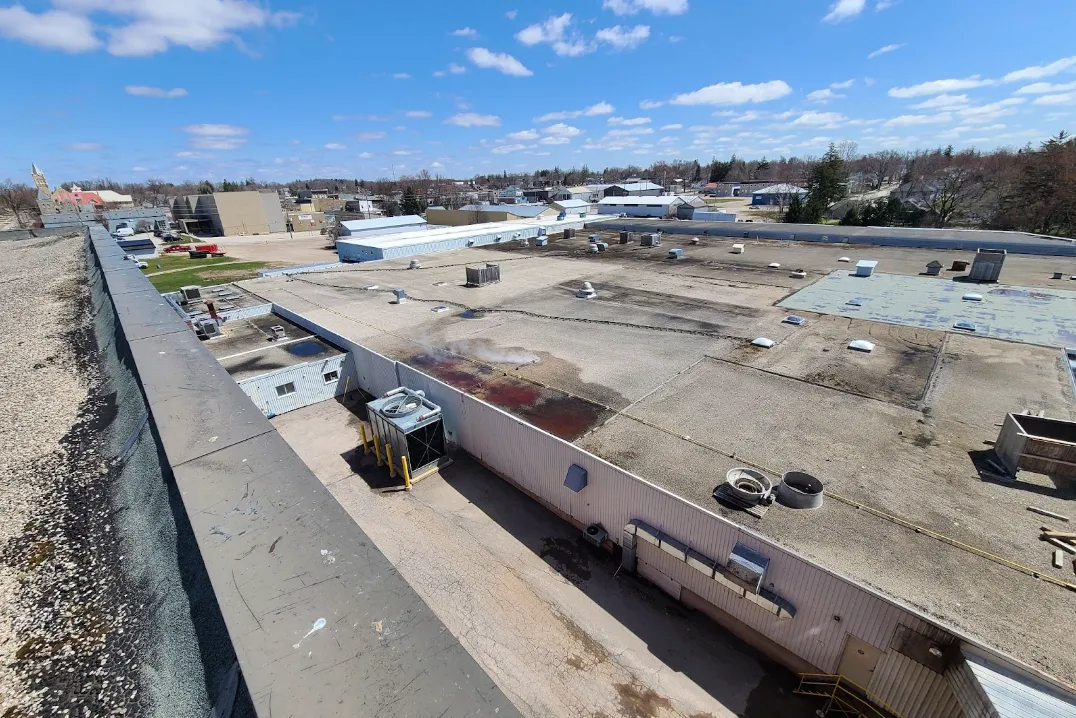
(362, 225)
(571, 203)
(642, 201)
(781, 189)
(438, 234)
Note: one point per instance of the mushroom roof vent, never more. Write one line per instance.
(763, 342)
(862, 345)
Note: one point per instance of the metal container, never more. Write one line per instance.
(798, 490)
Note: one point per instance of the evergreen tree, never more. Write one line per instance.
(826, 185)
(410, 204)
(795, 212)
(206, 187)
(720, 170)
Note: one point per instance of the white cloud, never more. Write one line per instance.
(555, 33)
(85, 146)
(675, 126)
(404, 153)
(734, 93)
(819, 119)
(658, 7)
(562, 130)
(986, 113)
(627, 122)
(500, 61)
(418, 114)
(524, 136)
(650, 105)
(601, 108)
(1067, 98)
(912, 120)
(436, 165)
(335, 146)
(136, 28)
(511, 14)
(1038, 72)
(633, 132)
(555, 140)
(884, 51)
(53, 29)
(144, 91)
(938, 87)
(456, 69)
(364, 155)
(847, 84)
(623, 38)
(844, 9)
(473, 119)
(941, 101)
(823, 96)
(401, 76)
(1045, 88)
(439, 73)
(216, 137)
(367, 136)
(505, 149)
(465, 32)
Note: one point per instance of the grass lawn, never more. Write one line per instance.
(180, 261)
(724, 200)
(206, 275)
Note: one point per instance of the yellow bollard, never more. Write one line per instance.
(388, 458)
(377, 450)
(365, 441)
(406, 472)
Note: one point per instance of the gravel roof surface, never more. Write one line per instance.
(62, 610)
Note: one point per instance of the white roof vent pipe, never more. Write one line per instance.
(586, 291)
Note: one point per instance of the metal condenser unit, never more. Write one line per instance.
(413, 427)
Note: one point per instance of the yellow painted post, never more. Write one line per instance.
(406, 472)
(388, 458)
(365, 441)
(377, 450)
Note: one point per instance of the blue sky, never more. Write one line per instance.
(215, 89)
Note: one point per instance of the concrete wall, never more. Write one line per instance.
(243, 213)
(459, 217)
(264, 560)
(274, 214)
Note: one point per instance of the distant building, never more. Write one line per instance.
(633, 189)
(304, 221)
(230, 213)
(575, 207)
(483, 213)
(539, 194)
(778, 194)
(79, 208)
(511, 195)
(691, 203)
(358, 228)
(587, 193)
(665, 206)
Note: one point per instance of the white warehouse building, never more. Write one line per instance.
(641, 206)
(381, 225)
(441, 239)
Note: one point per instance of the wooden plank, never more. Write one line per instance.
(1063, 535)
(1060, 544)
(1059, 558)
(1044, 512)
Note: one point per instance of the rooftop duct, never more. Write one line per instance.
(798, 490)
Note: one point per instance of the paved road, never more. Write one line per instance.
(549, 618)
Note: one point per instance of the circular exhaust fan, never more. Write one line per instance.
(401, 405)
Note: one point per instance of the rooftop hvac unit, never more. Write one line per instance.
(278, 332)
(207, 329)
(987, 265)
(651, 240)
(481, 276)
(190, 293)
(412, 426)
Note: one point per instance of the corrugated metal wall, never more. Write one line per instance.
(309, 381)
(968, 691)
(538, 462)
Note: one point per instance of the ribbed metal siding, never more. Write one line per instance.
(310, 386)
(450, 400)
(969, 693)
(258, 310)
(912, 689)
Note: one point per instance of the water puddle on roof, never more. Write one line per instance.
(307, 348)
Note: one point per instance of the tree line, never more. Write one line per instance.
(1030, 189)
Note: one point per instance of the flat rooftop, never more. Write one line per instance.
(657, 375)
(247, 347)
(225, 297)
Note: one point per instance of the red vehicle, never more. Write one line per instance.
(201, 251)
(174, 248)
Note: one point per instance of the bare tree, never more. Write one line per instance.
(19, 200)
(848, 150)
(883, 166)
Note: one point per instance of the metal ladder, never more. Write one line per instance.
(844, 697)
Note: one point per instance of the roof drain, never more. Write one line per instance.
(749, 487)
(798, 490)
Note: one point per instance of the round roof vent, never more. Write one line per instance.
(798, 490)
(748, 486)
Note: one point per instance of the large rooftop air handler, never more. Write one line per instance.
(412, 426)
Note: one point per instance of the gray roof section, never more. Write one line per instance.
(1019, 314)
(964, 239)
(347, 637)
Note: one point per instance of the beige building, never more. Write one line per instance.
(484, 213)
(231, 213)
(305, 221)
